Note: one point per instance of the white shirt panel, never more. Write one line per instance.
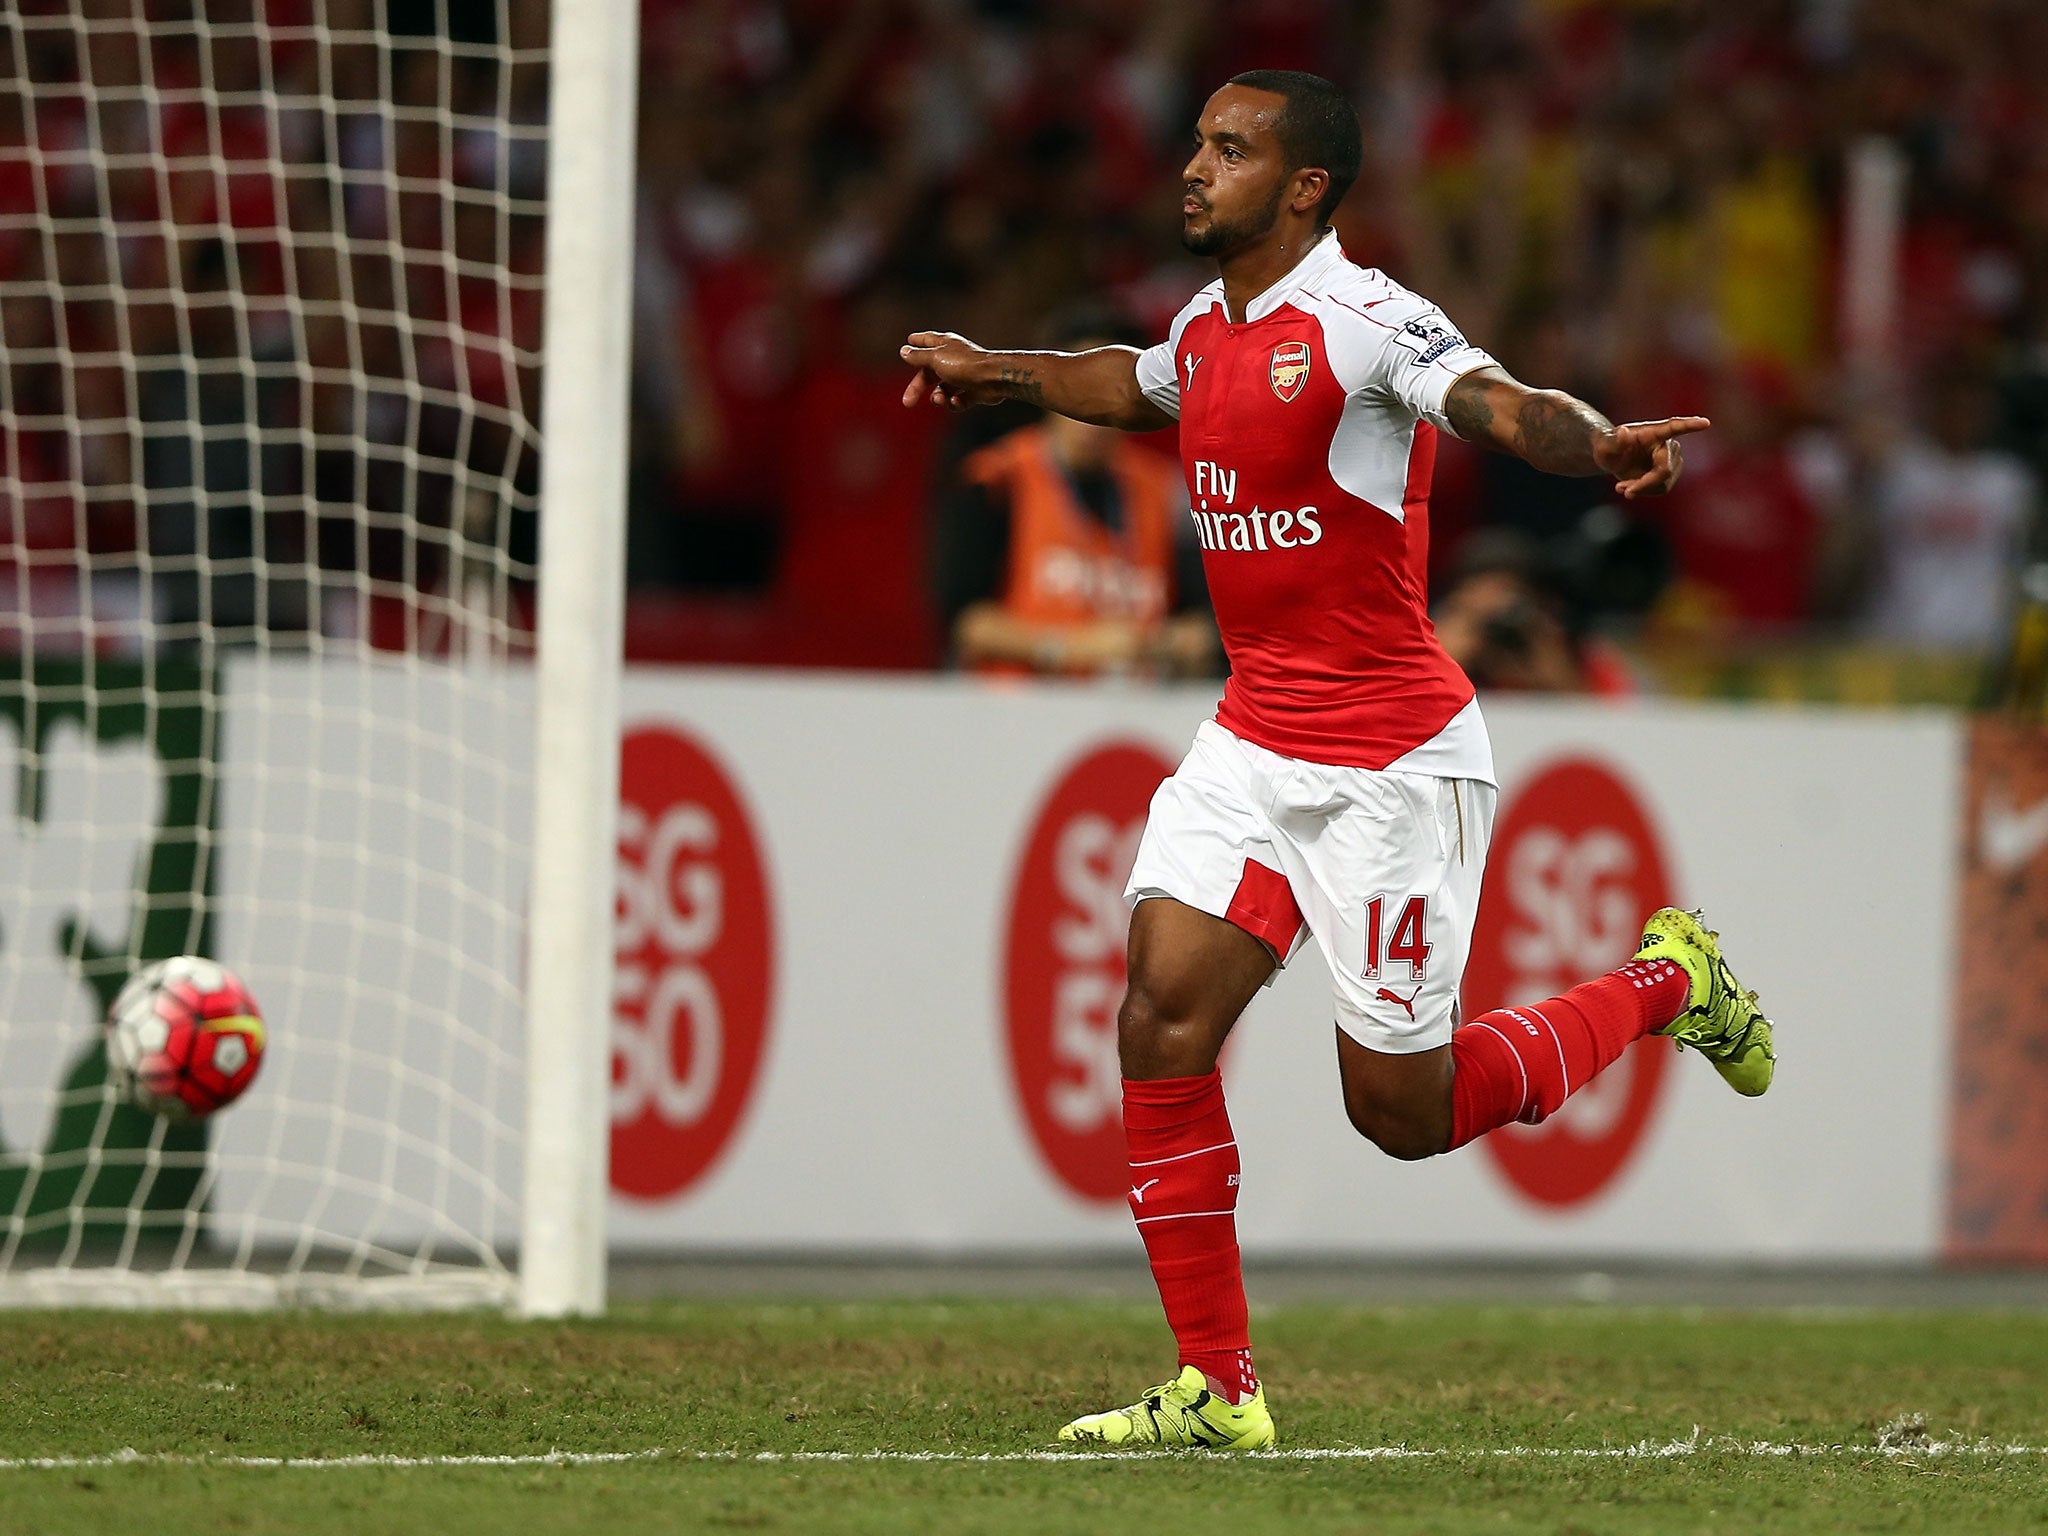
(1313, 274)
(1159, 367)
(1384, 341)
(1423, 356)
(1370, 449)
(1461, 750)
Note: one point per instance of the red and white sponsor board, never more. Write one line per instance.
(1063, 963)
(884, 912)
(940, 1059)
(1575, 865)
(695, 964)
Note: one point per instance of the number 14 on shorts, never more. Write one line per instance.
(1404, 942)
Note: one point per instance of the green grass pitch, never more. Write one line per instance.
(1553, 1420)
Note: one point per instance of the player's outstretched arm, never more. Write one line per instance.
(1100, 386)
(1562, 435)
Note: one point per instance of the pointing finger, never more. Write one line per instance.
(1664, 431)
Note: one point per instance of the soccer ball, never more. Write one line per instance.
(184, 1038)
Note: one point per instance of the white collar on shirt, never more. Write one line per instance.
(1321, 259)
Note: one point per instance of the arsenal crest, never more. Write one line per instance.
(1290, 369)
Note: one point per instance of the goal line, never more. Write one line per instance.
(1665, 1450)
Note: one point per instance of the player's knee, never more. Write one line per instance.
(1137, 1021)
(1156, 1036)
(1144, 1032)
(1397, 1130)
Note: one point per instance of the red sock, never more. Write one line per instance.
(1522, 1063)
(1184, 1172)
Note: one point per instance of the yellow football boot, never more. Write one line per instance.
(1182, 1412)
(1721, 1021)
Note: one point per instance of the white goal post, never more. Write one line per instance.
(309, 654)
(588, 328)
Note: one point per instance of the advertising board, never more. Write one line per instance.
(940, 1068)
(870, 947)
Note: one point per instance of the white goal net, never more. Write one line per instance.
(270, 323)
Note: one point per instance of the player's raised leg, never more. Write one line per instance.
(1191, 975)
(1521, 1063)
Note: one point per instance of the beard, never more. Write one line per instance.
(1220, 238)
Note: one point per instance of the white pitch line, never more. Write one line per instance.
(1640, 1451)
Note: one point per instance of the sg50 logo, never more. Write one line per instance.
(1576, 865)
(1573, 871)
(694, 958)
(1064, 964)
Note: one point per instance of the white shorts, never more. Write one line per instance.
(1383, 868)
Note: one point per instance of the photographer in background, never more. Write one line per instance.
(1512, 619)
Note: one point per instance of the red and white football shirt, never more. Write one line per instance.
(1307, 432)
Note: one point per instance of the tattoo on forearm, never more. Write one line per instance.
(1549, 428)
(1557, 434)
(1467, 410)
(1022, 384)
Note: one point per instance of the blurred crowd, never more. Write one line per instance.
(270, 304)
(269, 295)
(1642, 202)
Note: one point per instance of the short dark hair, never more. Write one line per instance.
(1318, 127)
